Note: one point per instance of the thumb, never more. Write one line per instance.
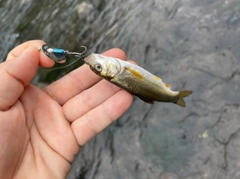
(15, 74)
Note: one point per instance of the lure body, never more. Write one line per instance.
(135, 80)
(56, 54)
(59, 55)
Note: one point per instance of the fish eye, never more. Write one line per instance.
(98, 67)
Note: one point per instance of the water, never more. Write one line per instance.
(190, 44)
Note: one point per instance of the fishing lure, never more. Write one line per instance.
(59, 55)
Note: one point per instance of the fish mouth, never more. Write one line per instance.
(86, 61)
(89, 59)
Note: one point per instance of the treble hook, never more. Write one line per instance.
(59, 55)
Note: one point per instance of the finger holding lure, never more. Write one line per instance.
(128, 76)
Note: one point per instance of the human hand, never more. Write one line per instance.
(42, 129)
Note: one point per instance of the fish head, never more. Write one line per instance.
(103, 66)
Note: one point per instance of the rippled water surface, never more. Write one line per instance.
(190, 44)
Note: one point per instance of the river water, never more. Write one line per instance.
(190, 44)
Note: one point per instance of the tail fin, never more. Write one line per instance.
(183, 94)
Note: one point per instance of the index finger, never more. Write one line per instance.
(17, 51)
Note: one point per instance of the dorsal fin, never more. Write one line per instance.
(157, 78)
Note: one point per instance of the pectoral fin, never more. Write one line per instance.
(134, 72)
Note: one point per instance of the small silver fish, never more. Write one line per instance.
(135, 80)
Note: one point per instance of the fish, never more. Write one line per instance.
(135, 80)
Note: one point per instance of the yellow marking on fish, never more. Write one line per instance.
(167, 85)
(134, 72)
(157, 78)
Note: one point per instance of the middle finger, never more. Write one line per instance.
(89, 99)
